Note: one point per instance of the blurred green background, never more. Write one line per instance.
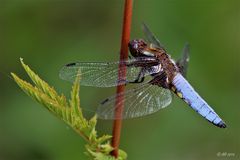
(49, 34)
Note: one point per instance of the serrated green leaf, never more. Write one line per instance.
(122, 155)
(98, 148)
(42, 85)
(99, 155)
(36, 94)
(103, 139)
(75, 100)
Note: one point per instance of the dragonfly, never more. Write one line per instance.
(155, 75)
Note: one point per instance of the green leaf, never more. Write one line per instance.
(99, 155)
(75, 100)
(98, 148)
(42, 85)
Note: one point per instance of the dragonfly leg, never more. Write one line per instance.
(160, 79)
(130, 57)
(140, 77)
(138, 80)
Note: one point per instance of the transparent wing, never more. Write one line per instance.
(102, 74)
(182, 63)
(143, 100)
(150, 37)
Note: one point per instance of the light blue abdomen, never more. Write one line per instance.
(194, 100)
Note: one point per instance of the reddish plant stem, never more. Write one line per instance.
(119, 105)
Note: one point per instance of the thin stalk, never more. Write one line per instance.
(119, 104)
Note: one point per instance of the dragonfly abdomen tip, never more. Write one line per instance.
(221, 124)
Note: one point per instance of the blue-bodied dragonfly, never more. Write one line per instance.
(149, 60)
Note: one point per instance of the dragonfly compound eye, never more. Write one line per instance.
(136, 47)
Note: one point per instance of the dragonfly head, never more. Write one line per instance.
(137, 47)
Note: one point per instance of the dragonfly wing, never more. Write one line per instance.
(182, 63)
(102, 74)
(143, 100)
(150, 37)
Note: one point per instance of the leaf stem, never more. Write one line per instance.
(119, 105)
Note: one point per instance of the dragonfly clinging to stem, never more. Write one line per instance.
(149, 96)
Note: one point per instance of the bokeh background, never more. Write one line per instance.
(49, 34)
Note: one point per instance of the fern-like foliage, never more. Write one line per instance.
(98, 148)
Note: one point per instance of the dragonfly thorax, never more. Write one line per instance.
(139, 48)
